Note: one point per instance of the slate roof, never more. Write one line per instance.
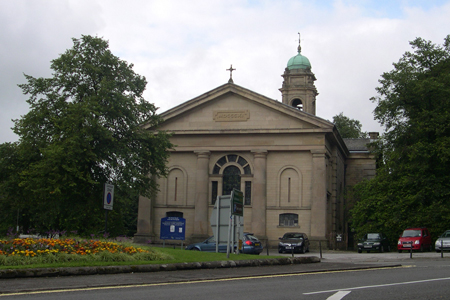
(357, 145)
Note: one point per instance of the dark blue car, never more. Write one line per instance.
(250, 245)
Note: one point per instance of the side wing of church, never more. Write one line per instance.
(289, 163)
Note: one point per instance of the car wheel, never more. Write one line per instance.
(421, 248)
(438, 251)
(381, 249)
(359, 251)
(303, 250)
(196, 249)
(280, 251)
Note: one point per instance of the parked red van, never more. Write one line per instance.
(417, 238)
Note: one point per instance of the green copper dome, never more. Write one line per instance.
(299, 62)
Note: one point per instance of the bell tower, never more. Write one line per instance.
(298, 89)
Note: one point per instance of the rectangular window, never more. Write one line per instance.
(213, 192)
(288, 220)
(248, 193)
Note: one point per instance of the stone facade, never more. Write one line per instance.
(292, 166)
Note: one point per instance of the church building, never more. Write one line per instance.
(292, 166)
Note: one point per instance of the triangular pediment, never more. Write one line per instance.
(231, 108)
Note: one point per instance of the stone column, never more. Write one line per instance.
(259, 198)
(144, 223)
(319, 195)
(201, 224)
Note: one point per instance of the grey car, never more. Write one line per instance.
(293, 242)
(374, 242)
(443, 242)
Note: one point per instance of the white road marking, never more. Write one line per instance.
(191, 282)
(339, 295)
(378, 285)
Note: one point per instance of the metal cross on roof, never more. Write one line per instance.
(231, 74)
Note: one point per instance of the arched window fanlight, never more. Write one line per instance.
(232, 158)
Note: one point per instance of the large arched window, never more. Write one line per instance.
(231, 171)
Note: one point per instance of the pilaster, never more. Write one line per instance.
(144, 232)
(259, 199)
(201, 195)
(319, 195)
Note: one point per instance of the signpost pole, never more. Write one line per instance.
(233, 233)
(237, 209)
(106, 221)
(410, 250)
(228, 240)
(218, 225)
(238, 233)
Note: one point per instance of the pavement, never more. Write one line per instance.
(265, 265)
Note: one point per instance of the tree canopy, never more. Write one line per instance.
(84, 129)
(348, 128)
(412, 186)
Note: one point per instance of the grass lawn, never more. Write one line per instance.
(180, 256)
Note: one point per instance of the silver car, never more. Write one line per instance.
(443, 242)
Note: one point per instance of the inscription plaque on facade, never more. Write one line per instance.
(231, 115)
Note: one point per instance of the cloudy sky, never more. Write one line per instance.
(184, 47)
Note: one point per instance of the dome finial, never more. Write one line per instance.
(299, 48)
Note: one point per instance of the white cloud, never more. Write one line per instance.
(184, 47)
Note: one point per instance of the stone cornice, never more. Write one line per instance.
(237, 148)
(252, 131)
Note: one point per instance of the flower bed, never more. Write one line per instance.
(32, 247)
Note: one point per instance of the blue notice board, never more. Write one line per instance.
(172, 228)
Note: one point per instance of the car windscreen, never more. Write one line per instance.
(373, 236)
(293, 236)
(411, 233)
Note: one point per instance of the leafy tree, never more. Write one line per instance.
(10, 166)
(348, 128)
(84, 129)
(412, 186)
